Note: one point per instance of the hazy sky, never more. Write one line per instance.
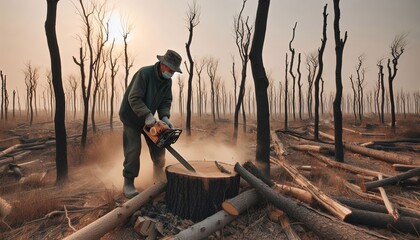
(161, 24)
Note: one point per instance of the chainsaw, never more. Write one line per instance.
(163, 136)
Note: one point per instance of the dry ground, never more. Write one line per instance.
(39, 207)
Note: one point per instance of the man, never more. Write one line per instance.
(149, 91)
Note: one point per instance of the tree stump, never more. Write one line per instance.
(197, 195)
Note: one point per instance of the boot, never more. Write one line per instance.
(129, 189)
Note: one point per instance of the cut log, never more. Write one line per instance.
(144, 226)
(197, 195)
(374, 207)
(381, 155)
(348, 167)
(322, 225)
(217, 221)
(109, 221)
(391, 210)
(330, 204)
(10, 149)
(404, 167)
(310, 148)
(391, 180)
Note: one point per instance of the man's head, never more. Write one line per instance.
(171, 62)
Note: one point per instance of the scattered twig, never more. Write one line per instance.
(69, 220)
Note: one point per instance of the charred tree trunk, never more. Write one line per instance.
(292, 58)
(320, 70)
(197, 195)
(338, 116)
(59, 119)
(261, 85)
(286, 94)
(299, 87)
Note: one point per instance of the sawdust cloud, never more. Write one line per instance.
(105, 157)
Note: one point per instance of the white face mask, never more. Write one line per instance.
(167, 75)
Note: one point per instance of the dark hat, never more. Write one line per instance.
(171, 59)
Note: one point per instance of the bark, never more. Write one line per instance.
(334, 207)
(116, 217)
(382, 155)
(194, 195)
(391, 180)
(60, 103)
(338, 116)
(320, 70)
(323, 225)
(261, 85)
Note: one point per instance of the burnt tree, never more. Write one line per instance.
(242, 40)
(193, 19)
(338, 115)
(286, 81)
(113, 67)
(382, 88)
(320, 70)
(60, 104)
(128, 61)
(299, 83)
(261, 85)
(292, 59)
(397, 49)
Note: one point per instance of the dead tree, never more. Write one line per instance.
(355, 98)
(113, 67)
(31, 77)
(3, 79)
(397, 49)
(128, 60)
(312, 66)
(50, 88)
(261, 85)
(321, 96)
(198, 70)
(59, 119)
(242, 39)
(320, 71)
(181, 89)
(13, 103)
(338, 116)
(73, 83)
(382, 88)
(286, 80)
(88, 52)
(212, 65)
(193, 19)
(292, 59)
(299, 83)
(360, 80)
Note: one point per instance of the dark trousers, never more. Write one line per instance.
(132, 150)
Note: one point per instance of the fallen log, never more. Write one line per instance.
(311, 148)
(381, 155)
(322, 225)
(109, 221)
(10, 149)
(232, 209)
(374, 207)
(391, 180)
(330, 204)
(389, 207)
(403, 167)
(348, 167)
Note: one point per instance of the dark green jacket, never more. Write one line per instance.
(148, 92)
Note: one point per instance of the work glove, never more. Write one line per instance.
(150, 120)
(165, 119)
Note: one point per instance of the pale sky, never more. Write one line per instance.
(161, 24)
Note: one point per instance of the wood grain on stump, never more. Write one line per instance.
(197, 195)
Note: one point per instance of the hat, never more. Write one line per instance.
(171, 59)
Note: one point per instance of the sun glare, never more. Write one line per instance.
(116, 27)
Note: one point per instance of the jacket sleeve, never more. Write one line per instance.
(165, 106)
(136, 95)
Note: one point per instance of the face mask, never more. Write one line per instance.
(167, 75)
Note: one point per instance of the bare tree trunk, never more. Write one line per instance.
(261, 85)
(285, 94)
(59, 119)
(292, 59)
(320, 70)
(299, 87)
(14, 98)
(338, 116)
(193, 16)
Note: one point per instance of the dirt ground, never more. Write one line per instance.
(43, 210)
